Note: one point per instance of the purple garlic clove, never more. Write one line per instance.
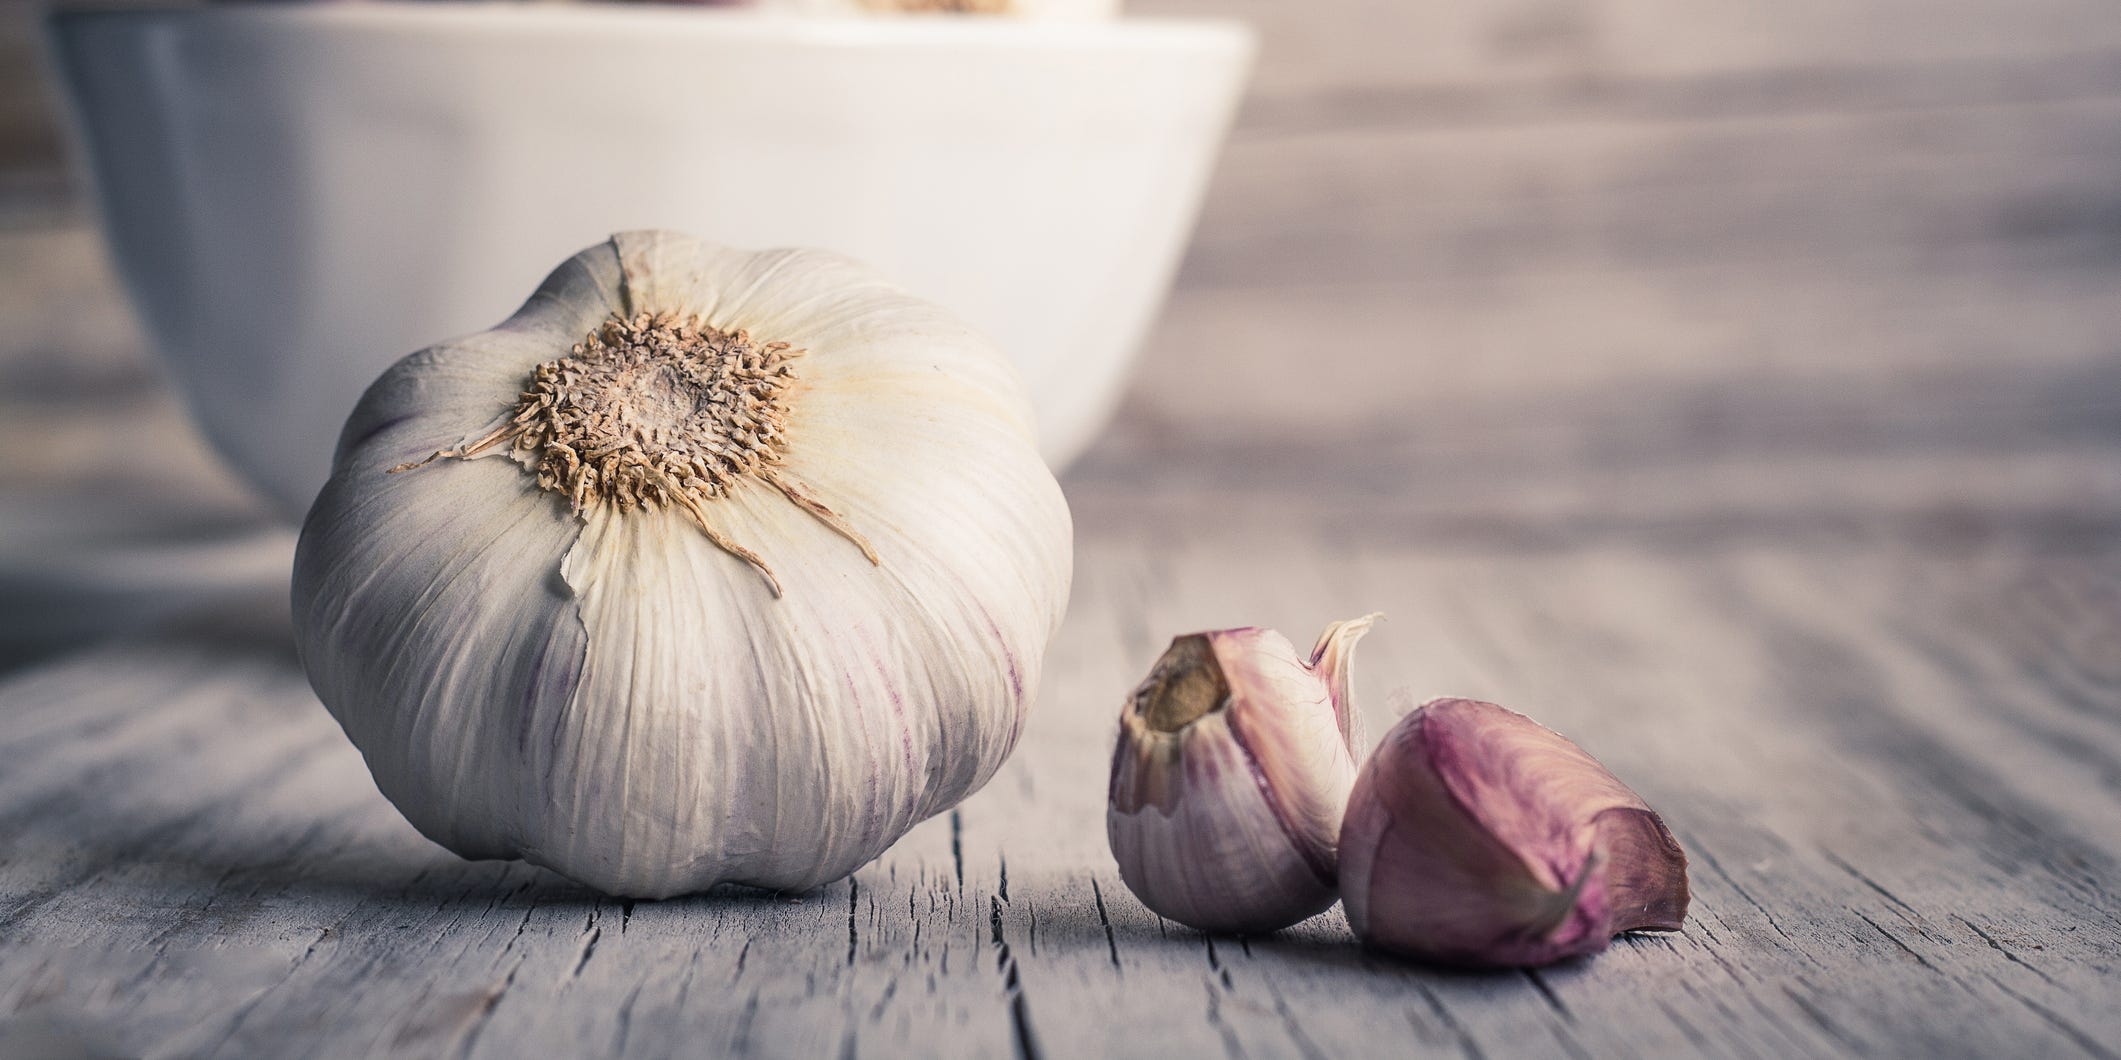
(1232, 768)
(1476, 836)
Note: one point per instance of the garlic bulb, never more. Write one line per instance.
(706, 566)
(1233, 765)
(1477, 836)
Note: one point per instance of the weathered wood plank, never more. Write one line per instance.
(1877, 195)
(194, 861)
(1583, 47)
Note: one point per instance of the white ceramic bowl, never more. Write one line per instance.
(298, 195)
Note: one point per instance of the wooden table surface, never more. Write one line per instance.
(1742, 399)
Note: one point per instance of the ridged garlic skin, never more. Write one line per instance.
(1476, 836)
(1231, 820)
(613, 696)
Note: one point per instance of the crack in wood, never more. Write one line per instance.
(1954, 663)
(1111, 944)
(2083, 1039)
(957, 848)
(883, 1001)
(1851, 699)
(1546, 993)
(1687, 1030)
(1696, 848)
(491, 1001)
(2000, 948)
(1894, 939)
(1215, 964)
(623, 1018)
(236, 1019)
(1568, 1042)
(302, 843)
(589, 949)
(1825, 1023)
(1012, 987)
(1714, 949)
(158, 836)
(1906, 911)
(1803, 1037)
(1232, 1046)
(740, 1041)
(1466, 1045)
(1298, 1037)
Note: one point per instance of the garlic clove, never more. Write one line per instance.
(1232, 767)
(1476, 836)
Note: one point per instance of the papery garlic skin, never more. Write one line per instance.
(618, 696)
(1476, 836)
(1233, 765)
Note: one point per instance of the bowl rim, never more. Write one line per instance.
(732, 24)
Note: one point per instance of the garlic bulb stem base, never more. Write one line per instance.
(1185, 684)
(658, 409)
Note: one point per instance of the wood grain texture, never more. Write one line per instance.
(1897, 771)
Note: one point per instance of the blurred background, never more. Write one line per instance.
(1536, 270)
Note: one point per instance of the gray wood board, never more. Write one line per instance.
(1897, 771)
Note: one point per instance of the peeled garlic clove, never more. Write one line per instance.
(1477, 836)
(1233, 765)
(706, 566)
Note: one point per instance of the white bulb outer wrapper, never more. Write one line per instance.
(614, 697)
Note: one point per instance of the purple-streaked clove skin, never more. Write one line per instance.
(1233, 765)
(1476, 836)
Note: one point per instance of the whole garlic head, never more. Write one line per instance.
(719, 567)
(1233, 766)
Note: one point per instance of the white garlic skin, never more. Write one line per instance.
(614, 697)
(1230, 821)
